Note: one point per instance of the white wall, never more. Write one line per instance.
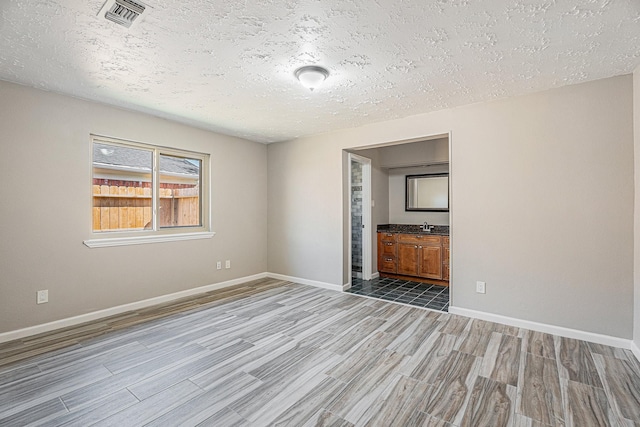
(542, 204)
(636, 274)
(45, 212)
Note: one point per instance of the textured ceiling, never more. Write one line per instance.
(227, 65)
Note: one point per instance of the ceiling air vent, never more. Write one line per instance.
(122, 12)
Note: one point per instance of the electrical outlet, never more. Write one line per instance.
(227, 264)
(219, 265)
(42, 297)
(481, 287)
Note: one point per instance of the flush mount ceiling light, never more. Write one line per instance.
(311, 76)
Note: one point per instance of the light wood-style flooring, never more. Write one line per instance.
(277, 353)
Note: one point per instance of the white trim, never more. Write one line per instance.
(315, 283)
(366, 219)
(202, 231)
(543, 327)
(83, 318)
(451, 227)
(635, 350)
(403, 141)
(349, 224)
(100, 314)
(139, 240)
(375, 275)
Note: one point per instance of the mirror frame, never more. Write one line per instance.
(406, 193)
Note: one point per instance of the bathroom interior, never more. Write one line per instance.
(401, 194)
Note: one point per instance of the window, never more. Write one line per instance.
(140, 191)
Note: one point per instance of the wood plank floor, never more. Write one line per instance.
(277, 353)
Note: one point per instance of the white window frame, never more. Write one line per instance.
(156, 234)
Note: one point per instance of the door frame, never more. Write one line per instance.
(366, 217)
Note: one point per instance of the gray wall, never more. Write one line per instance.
(415, 153)
(45, 213)
(636, 138)
(542, 203)
(397, 198)
(542, 206)
(395, 161)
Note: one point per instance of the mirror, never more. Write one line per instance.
(428, 192)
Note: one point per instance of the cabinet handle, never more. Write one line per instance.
(420, 247)
(416, 246)
(388, 259)
(389, 244)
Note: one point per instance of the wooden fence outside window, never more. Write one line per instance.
(118, 208)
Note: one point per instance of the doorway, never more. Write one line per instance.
(359, 217)
(388, 166)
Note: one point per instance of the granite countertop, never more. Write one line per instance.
(438, 230)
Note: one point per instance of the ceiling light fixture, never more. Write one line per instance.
(311, 76)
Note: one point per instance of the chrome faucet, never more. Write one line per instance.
(427, 228)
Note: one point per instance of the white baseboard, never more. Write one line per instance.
(549, 329)
(635, 350)
(315, 283)
(375, 275)
(76, 320)
(542, 327)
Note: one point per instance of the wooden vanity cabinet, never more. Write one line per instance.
(387, 253)
(415, 255)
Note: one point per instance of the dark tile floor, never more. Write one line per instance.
(435, 297)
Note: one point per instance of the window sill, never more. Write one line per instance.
(141, 240)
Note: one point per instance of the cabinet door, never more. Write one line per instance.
(431, 262)
(408, 259)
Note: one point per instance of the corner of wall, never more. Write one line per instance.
(636, 213)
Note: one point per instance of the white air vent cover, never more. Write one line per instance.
(122, 12)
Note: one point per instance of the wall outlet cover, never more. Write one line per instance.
(42, 297)
(219, 265)
(227, 264)
(481, 287)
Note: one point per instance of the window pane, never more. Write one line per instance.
(179, 191)
(122, 188)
